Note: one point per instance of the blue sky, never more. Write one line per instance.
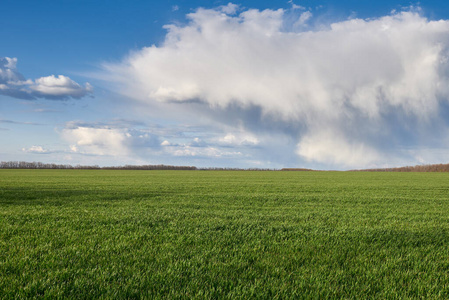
(269, 84)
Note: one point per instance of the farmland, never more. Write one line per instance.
(217, 234)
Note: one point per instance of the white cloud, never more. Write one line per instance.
(239, 139)
(8, 70)
(197, 142)
(98, 141)
(330, 148)
(303, 18)
(352, 94)
(60, 87)
(118, 138)
(230, 8)
(295, 6)
(123, 140)
(210, 152)
(36, 150)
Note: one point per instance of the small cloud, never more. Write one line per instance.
(45, 110)
(107, 140)
(60, 87)
(175, 8)
(303, 18)
(98, 141)
(197, 142)
(18, 123)
(241, 139)
(36, 150)
(295, 6)
(165, 143)
(229, 9)
(188, 151)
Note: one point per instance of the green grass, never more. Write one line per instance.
(206, 234)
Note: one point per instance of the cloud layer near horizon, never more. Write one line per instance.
(60, 87)
(126, 139)
(356, 93)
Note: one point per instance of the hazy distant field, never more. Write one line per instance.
(206, 234)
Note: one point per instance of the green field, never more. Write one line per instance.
(211, 234)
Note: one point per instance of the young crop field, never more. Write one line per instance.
(223, 234)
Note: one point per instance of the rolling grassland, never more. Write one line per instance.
(223, 234)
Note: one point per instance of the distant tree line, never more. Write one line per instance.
(39, 165)
(150, 167)
(296, 169)
(418, 168)
(234, 169)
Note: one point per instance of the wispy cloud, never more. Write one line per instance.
(239, 139)
(296, 6)
(37, 150)
(60, 87)
(18, 123)
(355, 93)
(229, 9)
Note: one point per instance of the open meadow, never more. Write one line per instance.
(223, 234)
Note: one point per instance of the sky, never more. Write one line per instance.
(248, 84)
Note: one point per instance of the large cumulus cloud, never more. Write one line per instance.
(14, 84)
(355, 93)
